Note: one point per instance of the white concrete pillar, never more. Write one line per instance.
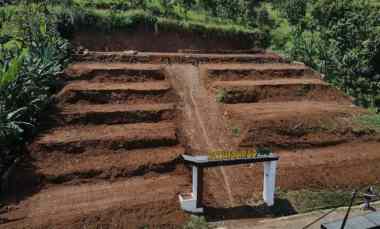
(198, 186)
(269, 182)
(195, 182)
(192, 202)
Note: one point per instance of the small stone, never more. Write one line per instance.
(131, 52)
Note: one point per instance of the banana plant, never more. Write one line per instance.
(11, 128)
(10, 71)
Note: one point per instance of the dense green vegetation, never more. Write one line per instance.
(370, 120)
(196, 222)
(31, 54)
(338, 38)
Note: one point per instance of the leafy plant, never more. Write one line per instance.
(221, 95)
(30, 56)
(236, 131)
(371, 121)
(340, 39)
(196, 222)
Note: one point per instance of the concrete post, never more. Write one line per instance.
(198, 185)
(269, 182)
(195, 182)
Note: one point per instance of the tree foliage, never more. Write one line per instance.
(31, 54)
(341, 39)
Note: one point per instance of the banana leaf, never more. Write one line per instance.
(10, 72)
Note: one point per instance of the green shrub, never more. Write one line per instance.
(338, 38)
(221, 95)
(31, 54)
(196, 222)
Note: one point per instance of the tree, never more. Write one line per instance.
(294, 10)
(210, 6)
(341, 39)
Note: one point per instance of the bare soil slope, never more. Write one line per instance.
(111, 148)
(109, 157)
(151, 38)
(308, 123)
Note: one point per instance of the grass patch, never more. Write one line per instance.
(196, 222)
(221, 95)
(236, 131)
(371, 121)
(306, 200)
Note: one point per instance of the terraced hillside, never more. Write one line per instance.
(113, 147)
(308, 123)
(109, 156)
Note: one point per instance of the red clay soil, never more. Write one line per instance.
(60, 167)
(132, 203)
(296, 124)
(88, 173)
(288, 109)
(204, 128)
(114, 87)
(154, 39)
(127, 175)
(293, 125)
(278, 82)
(113, 92)
(127, 136)
(256, 71)
(343, 166)
(116, 113)
(117, 72)
(284, 90)
(177, 58)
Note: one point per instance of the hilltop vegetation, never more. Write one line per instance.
(338, 38)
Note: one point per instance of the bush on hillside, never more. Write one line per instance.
(31, 54)
(340, 39)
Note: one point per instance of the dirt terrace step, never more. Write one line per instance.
(75, 139)
(247, 91)
(95, 92)
(106, 164)
(297, 124)
(316, 168)
(279, 110)
(116, 113)
(251, 83)
(180, 58)
(138, 200)
(116, 72)
(257, 71)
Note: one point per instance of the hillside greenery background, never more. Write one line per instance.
(340, 38)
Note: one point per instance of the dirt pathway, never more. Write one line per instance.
(64, 203)
(203, 123)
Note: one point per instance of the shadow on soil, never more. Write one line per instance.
(281, 208)
(22, 183)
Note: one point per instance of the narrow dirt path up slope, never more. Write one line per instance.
(204, 127)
